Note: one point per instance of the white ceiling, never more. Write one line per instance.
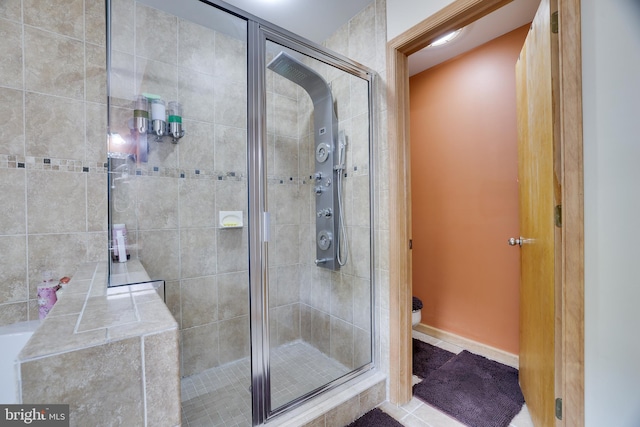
(315, 20)
(503, 20)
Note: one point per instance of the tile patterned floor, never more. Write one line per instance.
(419, 414)
(220, 396)
(299, 368)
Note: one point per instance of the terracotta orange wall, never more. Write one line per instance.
(465, 193)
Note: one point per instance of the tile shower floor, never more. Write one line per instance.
(220, 396)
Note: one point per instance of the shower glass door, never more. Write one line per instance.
(240, 174)
(180, 192)
(318, 197)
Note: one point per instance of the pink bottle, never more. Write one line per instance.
(46, 294)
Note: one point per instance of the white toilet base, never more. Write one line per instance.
(416, 316)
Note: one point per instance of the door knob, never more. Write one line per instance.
(513, 241)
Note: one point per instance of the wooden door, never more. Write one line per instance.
(538, 190)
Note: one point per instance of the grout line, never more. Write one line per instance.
(86, 300)
(144, 380)
(24, 151)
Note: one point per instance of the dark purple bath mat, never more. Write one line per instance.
(427, 358)
(375, 418)
(474, 390)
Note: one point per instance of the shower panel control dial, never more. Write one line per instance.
(324, 240)
(322, 152)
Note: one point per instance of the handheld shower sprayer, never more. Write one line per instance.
(342, 249)
(342, 146)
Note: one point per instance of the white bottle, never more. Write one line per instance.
(119, 242)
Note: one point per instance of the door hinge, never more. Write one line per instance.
(410, 244)
(557, 216)
(554, 22)
(559, 408)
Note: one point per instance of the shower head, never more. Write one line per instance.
(300, 74)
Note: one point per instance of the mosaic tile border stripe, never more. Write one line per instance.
(71, 165)
(48, 163)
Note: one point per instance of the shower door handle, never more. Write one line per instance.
(266, 226)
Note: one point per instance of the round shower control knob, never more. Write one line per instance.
(322, 152)
(324, 240)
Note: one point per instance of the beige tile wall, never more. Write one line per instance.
(288, 203)
(335, 309)
(333, 319)
(363, 39)
(130, 411)
(52, 145)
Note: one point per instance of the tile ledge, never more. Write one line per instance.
(46, 342)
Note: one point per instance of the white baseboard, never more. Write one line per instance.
(487, 351)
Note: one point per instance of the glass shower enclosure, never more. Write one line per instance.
(240, 174)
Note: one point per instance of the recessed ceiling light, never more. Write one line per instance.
(446, 38)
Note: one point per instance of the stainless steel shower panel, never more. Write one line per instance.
(325, 140)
